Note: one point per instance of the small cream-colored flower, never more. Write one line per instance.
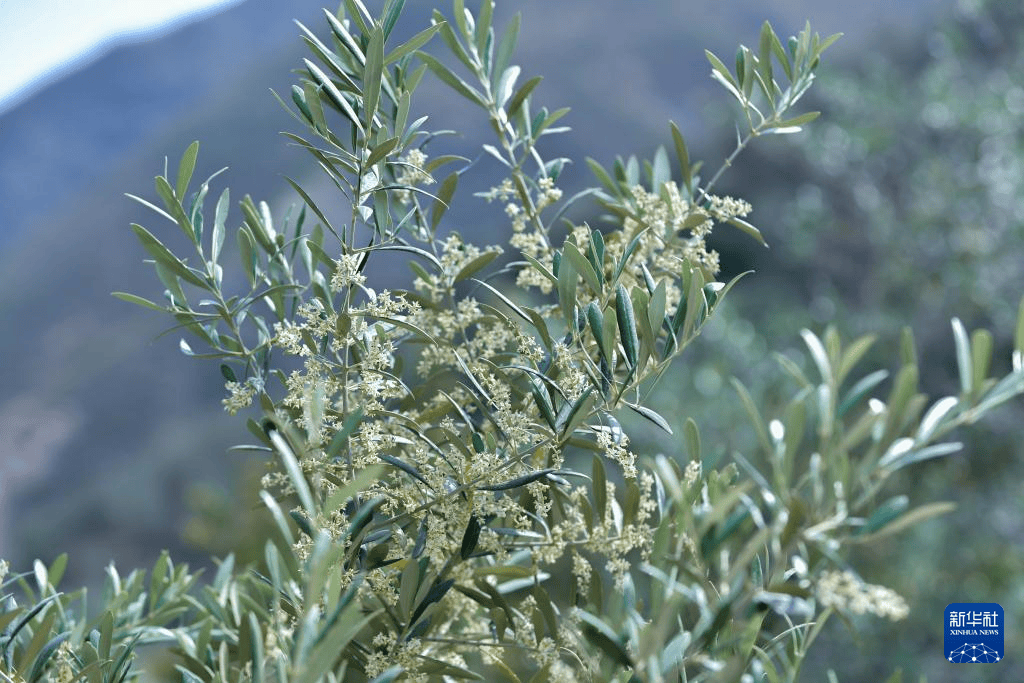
(845, 591)
(241, 395)
(347, 272)
(411, 173)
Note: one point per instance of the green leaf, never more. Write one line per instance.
(163, 256)
(860, 389)
(794, 124)
(333, 94)
(505, 85)
(651, 415)
(567, 282)
(449, 77)
(780, 53)
(602, 176)
(582, 266)
(518, 481)
(132, 299)
(683, 156)
(854, 353)
(437, 591)
(908, 350)
(507, 45)
(373, 71)
(604, 638)
(721, 74)
(627, 326)
(381, 150)
(413, 44)
(56, 571)
(185, 169)
(755, 416)
(219, 218)
(540, 397)
(476, 265)
(42, 633)
(470, 537)
(393, 10)
(692, 435)
(443, 200)
(517, 100)
(294, 470)
(483, 25)
(572, 411)
(886, 512)
(695, 303)
(332, 645)
(915, 516)
(247, 253)
(981, 358)
(661, 173)
(963, 356)
(818, 354)
(596, 320)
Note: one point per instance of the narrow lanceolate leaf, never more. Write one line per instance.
(516, 102)
(600, 488)
(747, 228)
(627, 326)
(294, 470)
(437, 591)
(540, 397)
(860, 390)
(596, 320)
(507, 45)
(373, 70)
(794, 124)
(721, 74)
(981, 358)
(602, 636)
(470, 537)
(963, 356)
(220, 216)
(755, 416)
(818, 354)
(518, 481)
(163, 256)
(683, 155)
(444, 198)
(907, 519)
(133, 299)
(453, 81)
(185, 169)
(651, 415)
(692, 439)
(413, 44)
(394, 11)
(476, 265)
(567, 290)
(886, 512)
(333, 94)
(405, 467)
(582, 266)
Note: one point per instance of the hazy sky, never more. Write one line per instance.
(42, 39)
